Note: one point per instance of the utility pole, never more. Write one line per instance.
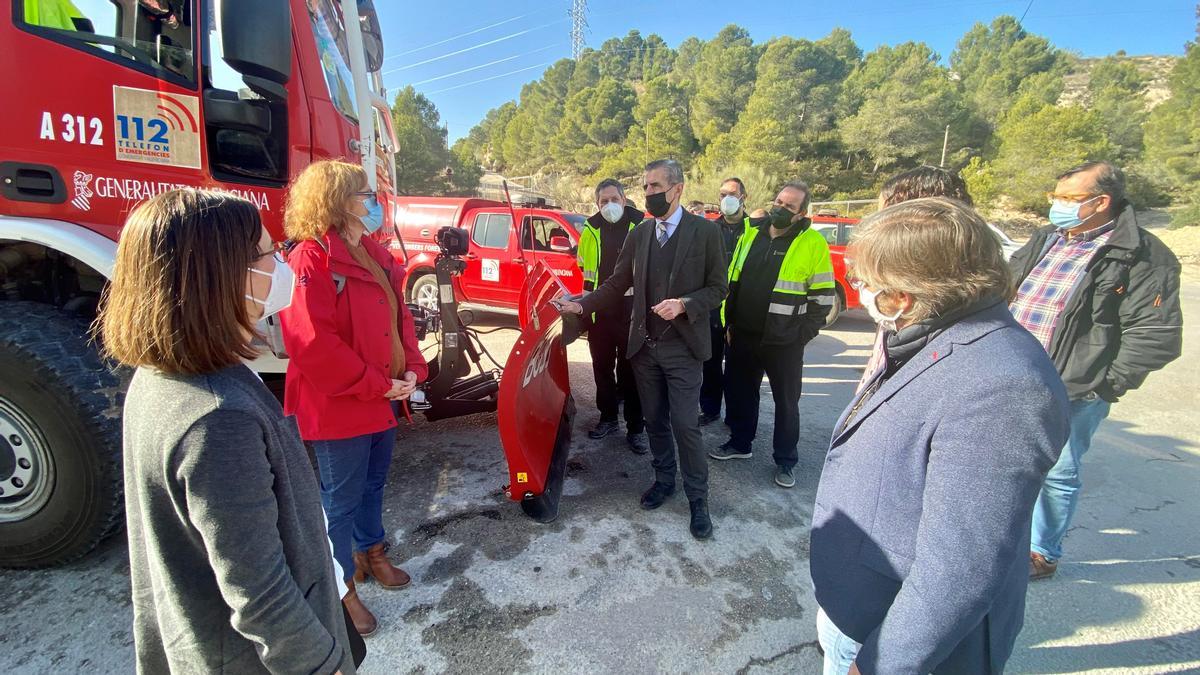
(578, 27)
(945, 143)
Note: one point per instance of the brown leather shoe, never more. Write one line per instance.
(1040, 568)
(374, 562)
(364, 621)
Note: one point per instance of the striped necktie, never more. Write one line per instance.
(662, 233)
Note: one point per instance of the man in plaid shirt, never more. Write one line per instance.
(1102, 296)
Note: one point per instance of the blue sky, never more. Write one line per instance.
(514, 41)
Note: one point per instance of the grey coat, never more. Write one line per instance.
(920, 541)
(698, 277)
(228, 553)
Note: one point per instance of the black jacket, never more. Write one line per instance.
(698, 277)
(1123, 320)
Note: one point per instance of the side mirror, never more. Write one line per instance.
(252, 51)
(560, 244)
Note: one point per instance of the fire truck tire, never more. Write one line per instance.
(60, 438)
(424, 292)
(839, 305)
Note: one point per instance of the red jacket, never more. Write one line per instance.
(339, 343)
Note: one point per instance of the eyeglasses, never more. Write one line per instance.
(278, 250)
(1054, 197)
(365, 193)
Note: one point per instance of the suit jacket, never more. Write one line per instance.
(698, 278)
(920, 538)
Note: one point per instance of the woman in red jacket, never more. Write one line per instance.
(354, 353)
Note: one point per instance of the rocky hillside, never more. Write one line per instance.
(1158, 68)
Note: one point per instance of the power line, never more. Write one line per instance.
(457, 37)
(473, 47)
(1021, 21)
(484, 65)
(489, 79)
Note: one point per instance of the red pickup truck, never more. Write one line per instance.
(837, 232)
(498, 260)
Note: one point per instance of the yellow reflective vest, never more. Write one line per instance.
(52, 13)
(803, 293)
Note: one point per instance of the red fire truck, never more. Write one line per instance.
(111, 102)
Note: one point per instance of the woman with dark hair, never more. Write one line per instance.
(229, 561)
(354, 354)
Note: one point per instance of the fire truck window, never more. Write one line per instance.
(829, 231)
(330, 33)
(491, 230)
(156, 34)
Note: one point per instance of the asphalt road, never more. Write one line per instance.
(612, 588)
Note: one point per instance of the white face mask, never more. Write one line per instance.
(730, 205)
(869, 300)
(612, 211)
(283, 286)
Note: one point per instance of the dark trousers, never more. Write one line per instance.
(668, 379)
(607, 340)
(783, 365)
(713, 389)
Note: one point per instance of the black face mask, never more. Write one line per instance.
(658, 205)
(781, 218)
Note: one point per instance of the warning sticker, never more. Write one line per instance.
(153, 127)
(522, 477)
(491, 270)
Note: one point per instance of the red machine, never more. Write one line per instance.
(837, 232)
(535, 401)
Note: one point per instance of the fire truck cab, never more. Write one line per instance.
(112, 102)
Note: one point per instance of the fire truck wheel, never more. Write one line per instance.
(835, 311)
(425, 292)
(60, 438)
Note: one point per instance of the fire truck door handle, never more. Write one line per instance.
(425, 232)
(471, 256)
(32, 183)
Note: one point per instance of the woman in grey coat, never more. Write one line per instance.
(920, 534)
(229, 561)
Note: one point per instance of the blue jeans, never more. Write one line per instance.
(840, 650)
(353, 472)
(1060, 493)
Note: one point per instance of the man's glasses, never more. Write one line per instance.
(1055, 197)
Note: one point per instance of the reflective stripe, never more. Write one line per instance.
(777, 308)
(826, 277)
(590, 275)
(790, 287)
(822, 299)
(629, 293)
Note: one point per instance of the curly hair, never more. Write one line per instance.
(317, 199)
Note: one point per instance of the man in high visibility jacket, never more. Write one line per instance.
(600, 244)
(781, 289)
(734, 223)
(60, 14)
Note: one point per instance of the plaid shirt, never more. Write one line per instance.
(1043, 294)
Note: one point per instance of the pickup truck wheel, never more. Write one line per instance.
(839, 304)
(60, 438)
(425, 292)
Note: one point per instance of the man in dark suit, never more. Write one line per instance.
(675, 264)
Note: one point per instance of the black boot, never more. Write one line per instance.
(701, 524)
(656, 495)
